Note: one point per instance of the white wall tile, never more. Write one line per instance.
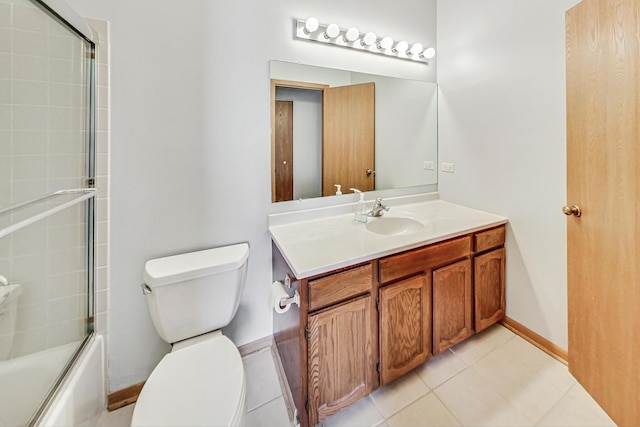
(30, 18)
(5, 15)
(29, 43)
(5, 91)
(29, 142)
(65, 71)
(5, 40)
(6, 65)
(30, 67)
(29, 117)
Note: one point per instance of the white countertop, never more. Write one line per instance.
(322, 244)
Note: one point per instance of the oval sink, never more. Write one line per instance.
(394, 225)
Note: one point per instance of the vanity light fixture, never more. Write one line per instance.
(311, 29)
(310, 25)
(385, 43)
(415, 49)
(428, 53)
(351, 35)
(400, 47)
(331, 32)
(368, 39)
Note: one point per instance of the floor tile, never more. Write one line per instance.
(394, 396)
(363, 413)
(481, 344)
(427, 411)
(524, 386)
(440, 368)
(546, 366)
(474, 402)
(262, 381)
(576, 408)
(118, 418)
(272, 414)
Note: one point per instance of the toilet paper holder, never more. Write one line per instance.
(295, 299)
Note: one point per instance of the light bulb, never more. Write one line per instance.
(368, 39)
(385, 43)
(310, 25)
(401, 46)
(332, 31)
(428, 53)
(351, 35)
(415, 49)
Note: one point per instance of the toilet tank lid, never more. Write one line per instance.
(177, 268)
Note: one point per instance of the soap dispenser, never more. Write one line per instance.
(361, 213)
(338, 189)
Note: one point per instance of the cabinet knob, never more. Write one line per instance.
(572, 210)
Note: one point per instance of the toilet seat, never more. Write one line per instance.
(201, 384)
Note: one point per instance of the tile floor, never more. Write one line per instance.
(493, 379)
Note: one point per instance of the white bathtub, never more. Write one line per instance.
(82, 396)
(25, 382)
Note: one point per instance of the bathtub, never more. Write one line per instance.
(82, 396)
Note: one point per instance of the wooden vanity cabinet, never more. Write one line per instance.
(489, 277)
(341, 341)
(447, 269)
(365, 325)
(405, 326)
(452, 305)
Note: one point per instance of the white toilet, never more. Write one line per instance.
(201, 382)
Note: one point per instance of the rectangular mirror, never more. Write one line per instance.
(333, 128)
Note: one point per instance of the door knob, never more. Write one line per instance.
(572, 210)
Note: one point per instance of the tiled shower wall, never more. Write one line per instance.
(43, 149)
(101, 33)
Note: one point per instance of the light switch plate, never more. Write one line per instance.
(448, 167)
(429, 166)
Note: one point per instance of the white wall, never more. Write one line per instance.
(501, 70)
(190, 137)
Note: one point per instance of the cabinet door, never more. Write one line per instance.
(489, 288)
(341, 361)
(405, 326)
(452, 305)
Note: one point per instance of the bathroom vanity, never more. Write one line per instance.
(376, 301)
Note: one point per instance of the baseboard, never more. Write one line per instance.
(129, 395)
(542, 343)
(124, 397)
(256, 345)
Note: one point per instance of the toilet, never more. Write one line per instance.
(201, 382)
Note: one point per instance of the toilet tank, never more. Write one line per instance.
(195, 293)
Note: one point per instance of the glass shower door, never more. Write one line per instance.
(46, 204)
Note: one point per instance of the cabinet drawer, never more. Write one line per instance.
(424, 259)
(489, 239)
(340, 286)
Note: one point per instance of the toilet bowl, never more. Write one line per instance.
(201, 382)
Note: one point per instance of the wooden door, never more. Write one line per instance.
(488, 270)
(603, 157)
(405, 326)
(340, 357)
(348, 129)
(283, 163)
(452, 305)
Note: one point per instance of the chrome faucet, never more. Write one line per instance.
(378, 208)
